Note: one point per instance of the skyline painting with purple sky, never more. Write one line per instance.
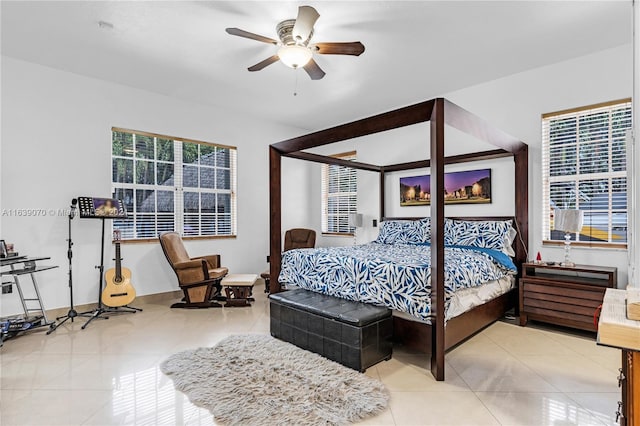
(456, 186)
(452, 181)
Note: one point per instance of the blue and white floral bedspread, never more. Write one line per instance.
(392, 275)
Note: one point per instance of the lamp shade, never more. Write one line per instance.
(294, 56)
(568, 220)
(355, 220)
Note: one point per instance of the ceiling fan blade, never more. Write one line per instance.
(265, 63)
(307, 17)
(354, 48)
(246, 34)
(313, 69)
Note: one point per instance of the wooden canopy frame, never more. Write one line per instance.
(439, 112)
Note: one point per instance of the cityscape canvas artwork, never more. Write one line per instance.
(468, 187)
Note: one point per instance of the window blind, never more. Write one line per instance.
(584, 167)
(339, 196)
(170, 184)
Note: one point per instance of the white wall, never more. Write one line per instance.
(514, 104)
(297, 190)
(56, 142)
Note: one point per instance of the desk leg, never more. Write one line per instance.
(16, 280)
(39, 299)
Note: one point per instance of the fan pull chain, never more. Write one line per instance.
(295, 87)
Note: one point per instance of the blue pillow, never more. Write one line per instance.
(492, 234)
(404, 231)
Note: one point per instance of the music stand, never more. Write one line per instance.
(72, 313)
(103, 209)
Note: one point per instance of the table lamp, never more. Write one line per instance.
(355, 221)
(569, 221)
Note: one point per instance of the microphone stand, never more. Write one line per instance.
(72, 312)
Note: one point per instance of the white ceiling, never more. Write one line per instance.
(414, 50)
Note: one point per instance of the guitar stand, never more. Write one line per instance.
(123, 309)
(102, 309)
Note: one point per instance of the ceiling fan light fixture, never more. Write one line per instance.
(295, 49)
(294, 56)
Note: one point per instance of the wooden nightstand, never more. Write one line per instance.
(564, 296)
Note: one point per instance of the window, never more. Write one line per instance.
(584, 167)
(339, 196)
(169, 184)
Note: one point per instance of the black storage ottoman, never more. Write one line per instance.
(357, 335)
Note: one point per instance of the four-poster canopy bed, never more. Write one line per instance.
(434, 337)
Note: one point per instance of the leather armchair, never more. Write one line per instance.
(198, 277)
(299, 238)
(294, 238)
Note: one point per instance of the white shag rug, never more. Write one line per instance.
(256, 379)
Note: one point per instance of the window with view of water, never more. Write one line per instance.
(584, 167)
(171, 184)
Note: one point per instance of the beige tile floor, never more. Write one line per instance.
(108, 374)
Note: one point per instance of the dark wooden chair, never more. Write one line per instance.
(198, 277)
(293, 239)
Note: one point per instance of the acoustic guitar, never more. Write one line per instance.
(118, 290)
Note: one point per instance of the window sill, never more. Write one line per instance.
(574, 244)
(155, 240)
(337, 234)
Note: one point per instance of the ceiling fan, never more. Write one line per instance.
(295, 47)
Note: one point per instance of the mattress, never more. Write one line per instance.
(394, 275)
(466, 299)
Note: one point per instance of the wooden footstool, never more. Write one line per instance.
(238, 288)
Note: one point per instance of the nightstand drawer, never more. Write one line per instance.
(559, 307)
(562, 292)
(584, 322)
(589, 299)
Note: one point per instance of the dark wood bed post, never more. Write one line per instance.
(275, 218)
(521, 159)
(437, 239)
(382, 196)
